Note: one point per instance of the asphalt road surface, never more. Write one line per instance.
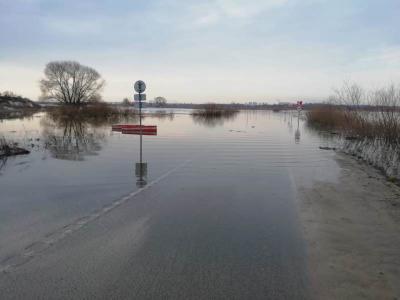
(205, 230)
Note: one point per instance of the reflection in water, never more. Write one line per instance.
(160, 114)
(71, 139)
(290, 122)
(132, 129)
(297, 133)
(20, 114)
(297, 136)
(141, 167)
(212, 121)
(3, 161)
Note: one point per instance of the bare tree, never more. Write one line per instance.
(126, 102)
(160, 101)
(387, 117)
(70, 82)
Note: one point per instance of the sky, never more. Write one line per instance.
(203, 51)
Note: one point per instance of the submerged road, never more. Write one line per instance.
(210, 229)
(249, 209)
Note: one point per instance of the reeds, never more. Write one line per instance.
(328, 116)
(353, 112)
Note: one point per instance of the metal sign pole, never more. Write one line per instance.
(140, 109)
(140, 123)
(141, 168)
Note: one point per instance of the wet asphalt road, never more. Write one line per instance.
(208, 230)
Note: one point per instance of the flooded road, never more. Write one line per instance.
(217, 216)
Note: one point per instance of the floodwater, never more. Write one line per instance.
(212, 215)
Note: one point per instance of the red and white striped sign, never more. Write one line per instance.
(121, 127)
(299, 105)
(135, 129)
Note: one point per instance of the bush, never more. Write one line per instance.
(97, 113)
(215, 110)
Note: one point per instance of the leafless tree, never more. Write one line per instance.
(160, 101)
(126, 102)
(69, 82)
(350, 95)
(387, 117)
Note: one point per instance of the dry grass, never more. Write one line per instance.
(329, 117)
(349, 115)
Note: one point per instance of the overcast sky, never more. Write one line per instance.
(209, 50)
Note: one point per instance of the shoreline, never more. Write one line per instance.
(351, 229)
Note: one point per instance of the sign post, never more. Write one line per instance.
(300, 106)
(141, 168)
(140, 87)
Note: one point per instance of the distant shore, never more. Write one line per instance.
(16, 106)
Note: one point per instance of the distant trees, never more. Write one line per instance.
(126, 102)
(160, 101)
(69, 82)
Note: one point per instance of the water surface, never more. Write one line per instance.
(221, 194)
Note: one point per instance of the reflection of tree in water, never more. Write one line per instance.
(72, 138)
(3, 161)
(161, 115)
(212, 121)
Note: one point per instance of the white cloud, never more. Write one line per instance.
(246, 9)
(211, 12)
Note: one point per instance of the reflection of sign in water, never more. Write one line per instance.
(297, 132)
(140, 167)
(297, 136)
(141, 173)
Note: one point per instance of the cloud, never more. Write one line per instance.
(382, 57)
(212, 12)
(279, 47)
(247, 9)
